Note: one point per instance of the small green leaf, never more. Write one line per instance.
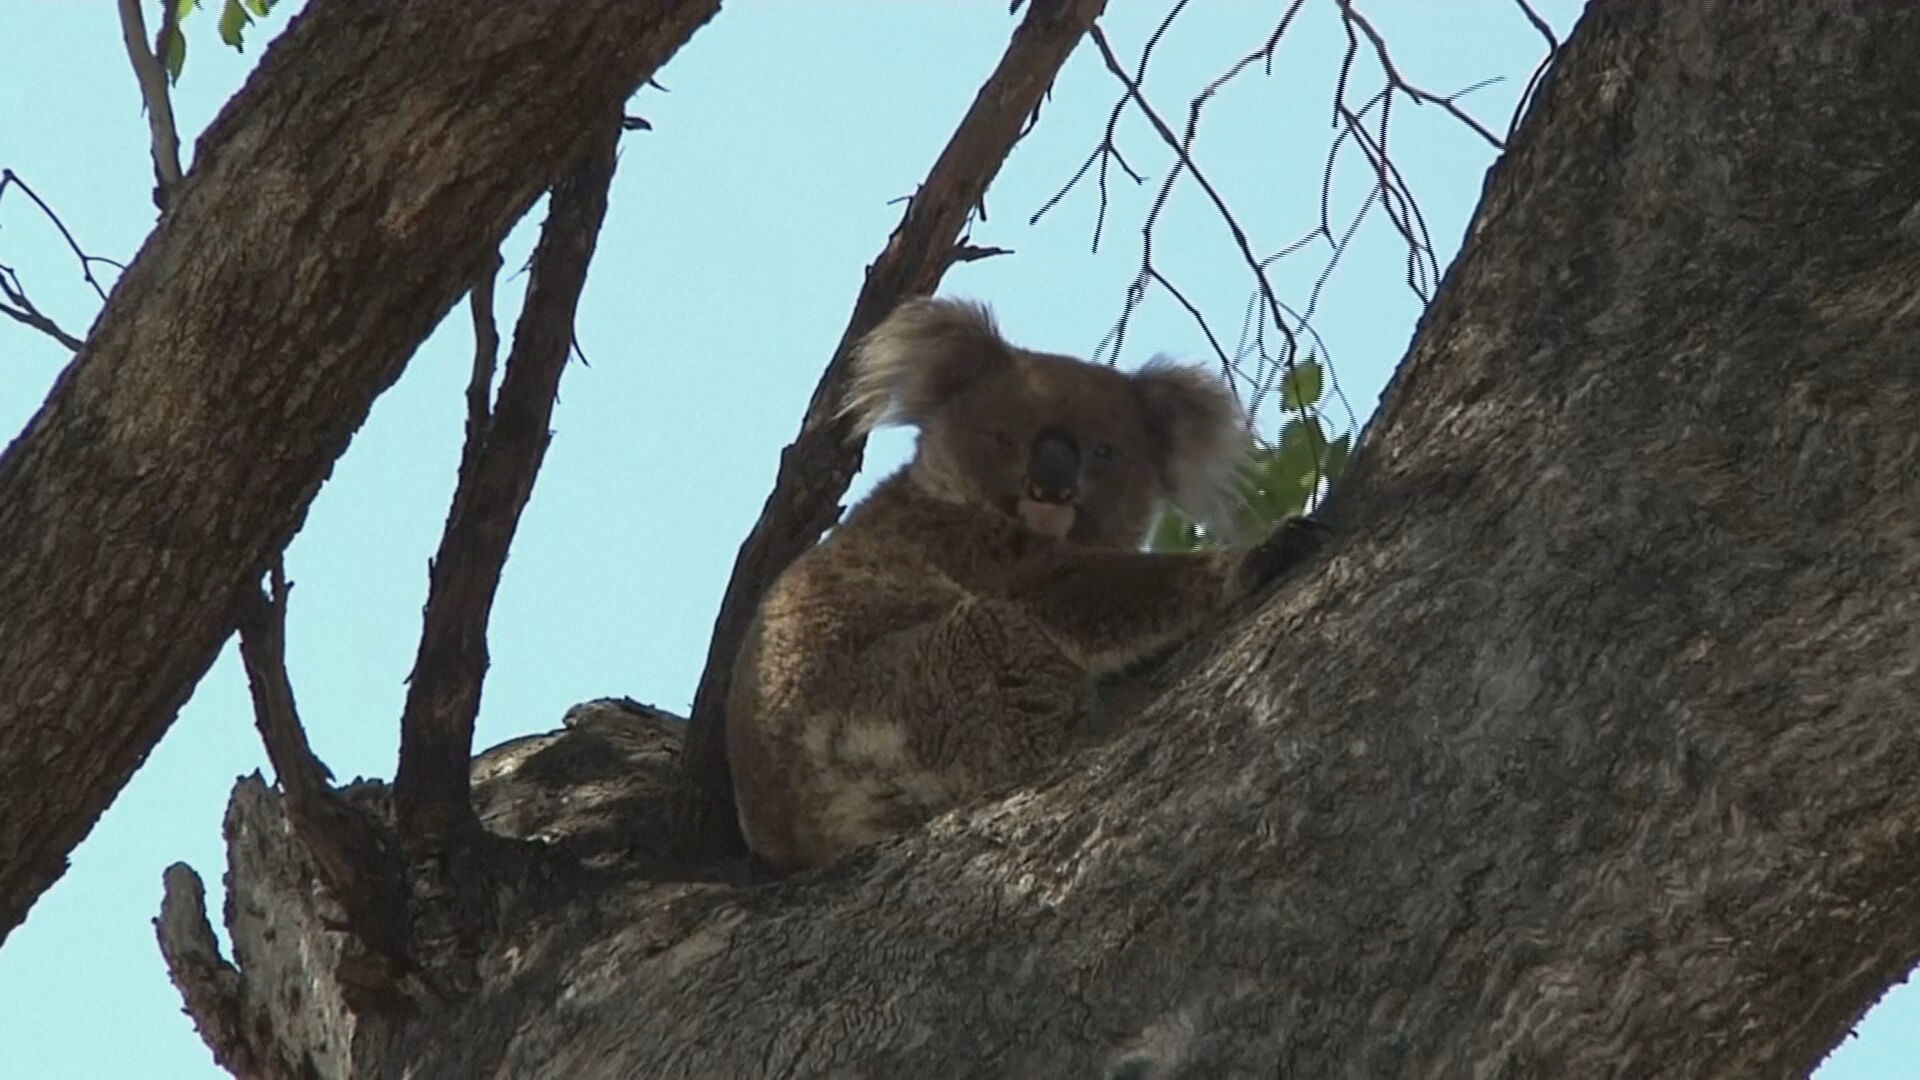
(1300, 390)
(1301, 444)
(174, 55)
(1280, 478)
(1338, 451)
(234, 21)
(1174, 532)
(259, 7)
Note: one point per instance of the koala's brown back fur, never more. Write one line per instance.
(944, 639)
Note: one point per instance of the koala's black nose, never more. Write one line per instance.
(1053, 468)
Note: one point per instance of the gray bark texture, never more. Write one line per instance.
(336, 209)
(1590, 747)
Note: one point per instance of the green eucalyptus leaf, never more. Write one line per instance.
(259, 7)
(174, 55)
(234, 21)
(1174, 532)
(1301, 388)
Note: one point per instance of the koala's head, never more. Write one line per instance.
(1073, 449)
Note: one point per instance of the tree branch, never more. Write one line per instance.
(152, 77)
(22, 310)
(211, 989)
(357, 864)
(9, 178)
(1394, 79)
(816, 468)
(233, 365)
(498, 467)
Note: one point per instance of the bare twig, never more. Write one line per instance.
(486, 356)
(1394, 79)
(14, 302)
(355, 860)
(816, 468)
(9, 178)
(965, 252)
(22, 310)
(499, 465)
(1540, 24)
(1108, 149)
(152, 77)
(1182, 149)
(1539, 70)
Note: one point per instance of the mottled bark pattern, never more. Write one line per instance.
(377, 151)
(1592, 748)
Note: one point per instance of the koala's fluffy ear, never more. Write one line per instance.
(1202, 435)
(924, 353)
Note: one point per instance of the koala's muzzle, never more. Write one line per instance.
(1053, 478)
(1053, 468)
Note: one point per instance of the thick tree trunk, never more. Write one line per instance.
(294, 272)
(1590, 749)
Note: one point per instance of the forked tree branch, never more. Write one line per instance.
(18, 307)
(355, 860)
(152, 76)
(499, 463)
(201, 485)
(14, 302)
(817, 466)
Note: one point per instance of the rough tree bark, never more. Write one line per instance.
(1590, 749)
(308, 252)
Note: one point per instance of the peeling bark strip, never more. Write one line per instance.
(817, 466)
(1591, 750)
(339, 206)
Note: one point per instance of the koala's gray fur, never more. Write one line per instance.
(944, 639)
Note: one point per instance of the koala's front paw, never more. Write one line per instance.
(1291, 542)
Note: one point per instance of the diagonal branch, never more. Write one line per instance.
(152, 76)
(356, 863)
(202, 484)
(498, 467)
(22, 310)
(816, 468)
(9, 178)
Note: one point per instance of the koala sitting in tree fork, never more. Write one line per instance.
(945, 638)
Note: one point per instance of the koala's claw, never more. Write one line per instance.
(1290, 543)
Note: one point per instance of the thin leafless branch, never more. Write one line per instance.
(499, 464)
(1108, 149)
(152, 77)
(356, 863)
(816, 468)
(1539, 70)
(486, 357)
(22, 310)
(1182, 148)
(11, 179)
(1394, 79)
(1365, 126)
(14, 302)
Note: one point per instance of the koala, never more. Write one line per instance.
(945, 639)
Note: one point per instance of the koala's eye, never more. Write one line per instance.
(1105, 452)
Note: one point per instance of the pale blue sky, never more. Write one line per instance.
(736, 239)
